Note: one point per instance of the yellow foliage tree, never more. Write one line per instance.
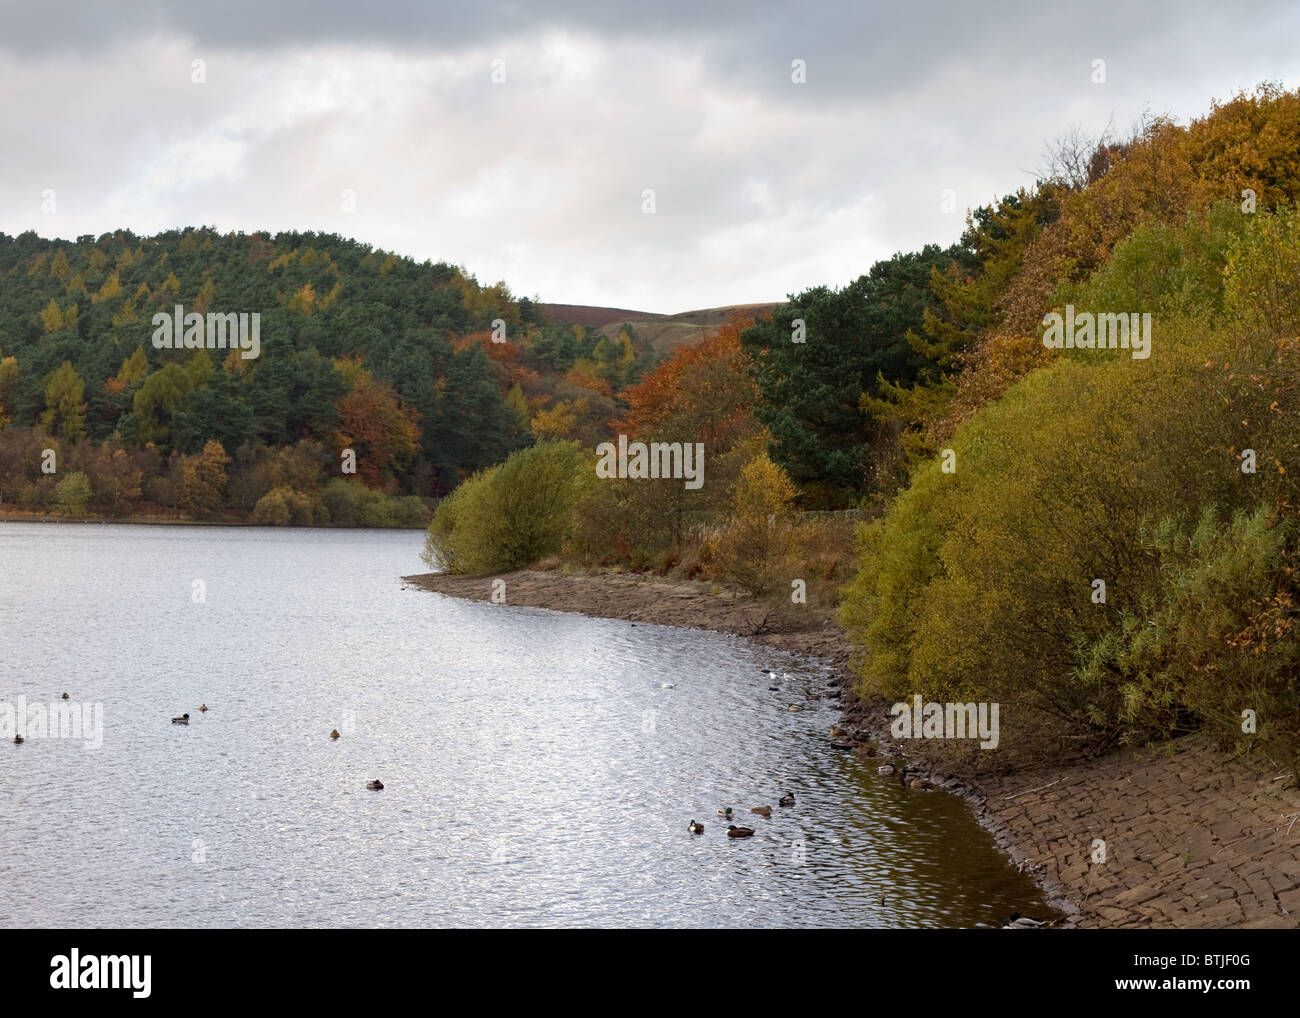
(65, 404)
(758, 542)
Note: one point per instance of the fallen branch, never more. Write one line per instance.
(1038, 789)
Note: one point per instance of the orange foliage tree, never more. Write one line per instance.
(383, 431)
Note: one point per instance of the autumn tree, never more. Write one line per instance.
(376, 425)
(202, 480)
(65, 404)
(757, 544)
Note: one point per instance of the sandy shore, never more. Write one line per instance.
(1175, 836)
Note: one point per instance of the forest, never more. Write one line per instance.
(1106, 544)
(379, 383)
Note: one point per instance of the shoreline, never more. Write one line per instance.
(1192, 837)
(177, 521)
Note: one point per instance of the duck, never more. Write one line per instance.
(203, 707)
(763, 811)
(696, 828)
(837, 732)
(66, 697)
(184, 719)
(921, 785)
(375, 786)
(795, 707)
(726, 814)
(1021, 922)
(334, 733)
(19, 740)
(786, 800)
(886, 769)
(841, 744)
(740, 832)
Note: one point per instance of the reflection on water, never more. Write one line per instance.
(536, 769)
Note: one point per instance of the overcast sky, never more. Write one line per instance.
(762, 186)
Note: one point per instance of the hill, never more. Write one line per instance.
(662, 333)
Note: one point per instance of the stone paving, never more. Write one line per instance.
(1193, 838)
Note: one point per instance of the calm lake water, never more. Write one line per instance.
(537, 772)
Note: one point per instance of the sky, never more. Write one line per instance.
(654, 156)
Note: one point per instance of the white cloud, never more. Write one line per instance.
(763, 187)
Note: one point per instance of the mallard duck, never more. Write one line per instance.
(19, 740)
(726, 813)
(184, 719)
(375, 786)
(921, 785)
(786, 800)
(334, 733)
(66, 697)
(696, 828)
(763, 811)
(740, 832)
(795, 707)
(886, 769)
(837, 732)
(203, 708)
(841, 744)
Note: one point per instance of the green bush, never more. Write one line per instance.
(272, 510)
(977, 584)
(512, 514)
(72, 494)
(1263, 274)
(1170, 272)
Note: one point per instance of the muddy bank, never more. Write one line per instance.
(1176, 836)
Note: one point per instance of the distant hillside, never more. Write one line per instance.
(346, 349)
(590, 317)
(662, 333)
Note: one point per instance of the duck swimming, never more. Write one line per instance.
(763, 811)
(66, 697)
(375, 786)
(740, 832)
(19, 740)
(696, 828)
(184, 719)
(334, 733)
(725, 813)
(203, 708)
(885, 769)
(786, 800)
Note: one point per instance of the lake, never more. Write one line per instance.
(538, 770)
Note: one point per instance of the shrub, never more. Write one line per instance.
(272, 510)
(758, 541)
(512, 514)
(977, 584)
(72, 494)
